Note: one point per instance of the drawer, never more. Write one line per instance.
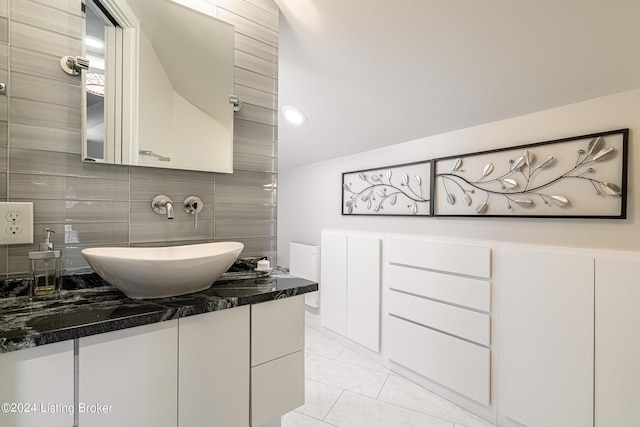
(459, 290)
(454, 258)
(277, 329)
(459, 365)
(277, 387)
(467, 324)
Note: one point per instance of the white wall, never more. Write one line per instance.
(309, 198)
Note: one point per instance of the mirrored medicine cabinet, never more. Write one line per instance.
(159, 85)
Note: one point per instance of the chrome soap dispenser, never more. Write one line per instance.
(44, 268)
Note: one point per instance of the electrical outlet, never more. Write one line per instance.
(16, 223)
(14, 229)
(14, 217)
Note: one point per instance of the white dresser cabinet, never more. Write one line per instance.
(547, 361)
(130, 377)
(277, 358)
(438, 302)
(213, 369)
(617, 336)
(33, 381)
(521, 335)
(350, 286)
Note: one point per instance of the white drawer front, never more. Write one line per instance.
(454, 363)
(277, 387)
(464, 291)
(449, 257)
(277, 328)
(457, 321)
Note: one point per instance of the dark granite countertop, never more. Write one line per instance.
(102, 308)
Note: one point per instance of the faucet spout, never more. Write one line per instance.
(169, 206)
(162, 205)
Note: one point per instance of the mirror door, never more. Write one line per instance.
(100, 48)
(160, 85)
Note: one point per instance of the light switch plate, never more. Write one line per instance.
(16, 223)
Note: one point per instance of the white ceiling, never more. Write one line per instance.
(371, 73)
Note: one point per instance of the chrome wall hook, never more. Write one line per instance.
(237, 102)
(73, 64)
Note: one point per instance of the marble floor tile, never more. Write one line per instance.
(345, 389)
(322, 346)
(310, 331)
(296, 419)
(349, 356)
(354, 410)
(402, 392)
(319, 399)
(346, 376)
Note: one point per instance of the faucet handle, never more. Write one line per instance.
(193, 205)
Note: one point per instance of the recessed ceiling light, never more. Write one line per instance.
(294, 115)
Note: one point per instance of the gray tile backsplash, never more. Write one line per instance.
(37, 113)
(4, 29)
(4, 55)
(40, 64)
(89, 204)
(45, 138)
(35, 88)
(46, 17)
(38, 39)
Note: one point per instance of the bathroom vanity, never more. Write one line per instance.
(231, 355)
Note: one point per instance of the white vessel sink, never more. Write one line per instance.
(164, 271)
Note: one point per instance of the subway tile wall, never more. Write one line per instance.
(95, 204)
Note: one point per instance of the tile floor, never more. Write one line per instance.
(345, 389)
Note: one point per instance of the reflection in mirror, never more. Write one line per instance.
(167, 105)
(94, 47)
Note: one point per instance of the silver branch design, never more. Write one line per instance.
(379, 190)
(515, 185)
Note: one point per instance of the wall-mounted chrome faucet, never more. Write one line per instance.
(193, 205)
(162, 204)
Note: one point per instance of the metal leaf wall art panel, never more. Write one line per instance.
(403, 190)
(583, 176)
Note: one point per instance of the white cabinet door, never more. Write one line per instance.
(277, 387)
(38, 384)
(214, 369)
(277, 329)
(277, 358)
(547, 344)
(350, 288)
(333, 286)
(129, 377)
(617, 374)
(363, 291)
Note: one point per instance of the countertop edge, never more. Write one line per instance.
(155, 311)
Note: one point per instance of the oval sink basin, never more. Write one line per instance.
(164, 271)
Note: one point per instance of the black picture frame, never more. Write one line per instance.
(398, 190)
(578, 177)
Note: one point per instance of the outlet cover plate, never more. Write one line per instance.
(16, 223)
